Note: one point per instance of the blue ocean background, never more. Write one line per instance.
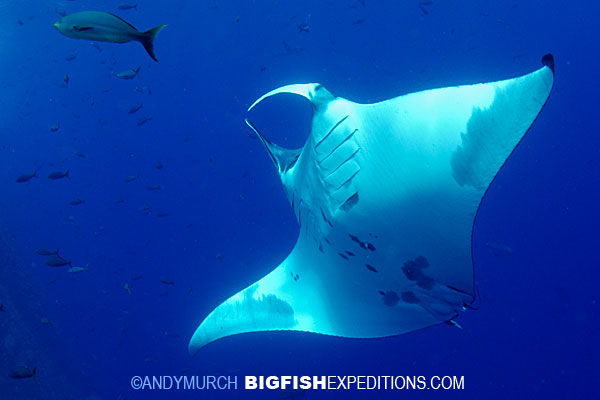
(229, 223)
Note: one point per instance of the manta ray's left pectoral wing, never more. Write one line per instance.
(289, 298)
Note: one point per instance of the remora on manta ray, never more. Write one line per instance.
(106, 27)
(386, 196)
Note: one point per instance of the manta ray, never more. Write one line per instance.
(386, 195)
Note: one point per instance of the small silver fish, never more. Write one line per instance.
(143, 120)
(58, 175)
(75, 270)
(22, 372)
(167, 282)
(57, 261)
(135, 108)
(25, 177)
(146, 209)
(127, 6)
(128, 73)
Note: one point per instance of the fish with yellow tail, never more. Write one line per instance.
(101, 26)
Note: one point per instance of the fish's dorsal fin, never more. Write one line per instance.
(125, 22)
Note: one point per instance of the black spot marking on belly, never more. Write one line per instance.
(371, 268)
(412, 273)
(426, 283)
(390, 298)
(413, 270)
(409, 297)
(364, 245)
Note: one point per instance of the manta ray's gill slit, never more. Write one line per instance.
(331, 131)
(350, 157)
(325, 218)
(350, 135)
(350, 202)
(347, 181)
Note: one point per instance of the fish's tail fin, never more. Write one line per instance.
(137, 71)
(147, 40)
(67, 174)
(34, 375)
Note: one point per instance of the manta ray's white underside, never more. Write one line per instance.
(386, 196)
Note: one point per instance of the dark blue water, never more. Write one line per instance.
(229, 223)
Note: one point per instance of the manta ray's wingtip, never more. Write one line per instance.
(548, 60)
